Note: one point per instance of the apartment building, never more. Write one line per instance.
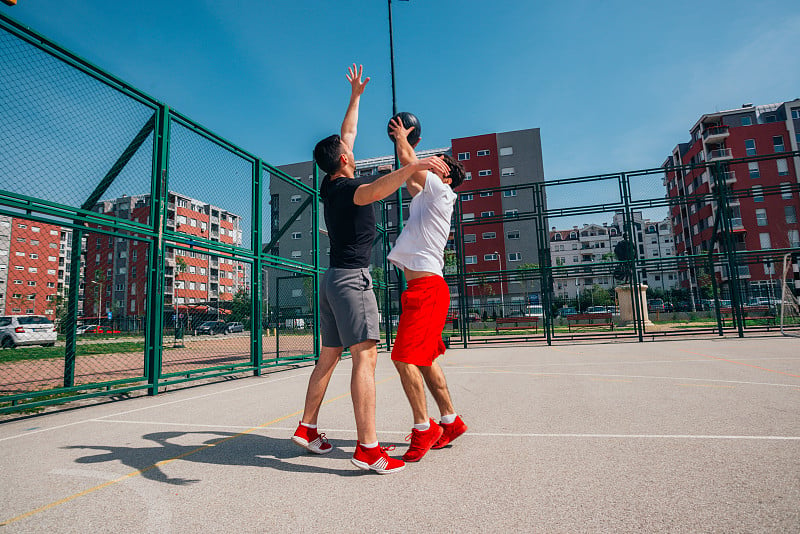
(760, 221)
(594, 243)
(29, 259)
(116, 267)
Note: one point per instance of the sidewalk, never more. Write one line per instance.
(686, 436)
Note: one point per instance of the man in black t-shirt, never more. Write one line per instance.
(348, 309)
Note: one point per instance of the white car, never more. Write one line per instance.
(19, 330)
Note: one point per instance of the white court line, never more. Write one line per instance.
(489, 434)
(545, 373)
(96, 419)
(637, 362)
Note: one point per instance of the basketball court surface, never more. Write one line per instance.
(693, 435)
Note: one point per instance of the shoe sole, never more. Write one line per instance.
(366, 467)
(303, 443)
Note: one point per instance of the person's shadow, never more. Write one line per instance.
(224, 448)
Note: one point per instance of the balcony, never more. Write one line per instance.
(715, 134)
(719, 154)
(728, 176)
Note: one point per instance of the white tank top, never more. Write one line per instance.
(420, 246)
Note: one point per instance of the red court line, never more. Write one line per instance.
(738, 363)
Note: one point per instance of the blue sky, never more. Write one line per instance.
(612, 85)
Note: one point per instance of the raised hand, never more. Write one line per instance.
(354, 74)
(435, 164)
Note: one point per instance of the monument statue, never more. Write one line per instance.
(624, 252)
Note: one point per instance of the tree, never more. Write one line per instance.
(377, 280)
(240, 307)
(308, 291)
(450, 262)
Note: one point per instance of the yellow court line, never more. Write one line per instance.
(164, 462)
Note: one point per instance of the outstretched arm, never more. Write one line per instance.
(407, 156)
(350, 122)
(386, 185)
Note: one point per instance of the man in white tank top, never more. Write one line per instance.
(419, 251)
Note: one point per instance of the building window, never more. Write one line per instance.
(507, 151)
(770, 118)
(294, 198)
(777, 143)
(791, 215)
(761, 217)
(753, 168)
(485, 172)
(514, 234)
(487, 194)
(469, 238)
(783, 167)
(463, 156)
(466, 197)
(490, 257)
(489, 235)
(514, 256)
(297, 235)
(482, 153)
(471, 260)
(468, 176)
(511, 213)
(750, 147)
(507, 171)
(758, 196)
(763, 238)
(794, 238)
(786, 191)
(487, 214)
(510, 193)
(468, 216)
(296, 253)
(796, 113)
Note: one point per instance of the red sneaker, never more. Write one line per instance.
(451, 432)
(311, 440)
(376, 459)
(422, 441)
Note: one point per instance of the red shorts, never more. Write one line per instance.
(419, 334)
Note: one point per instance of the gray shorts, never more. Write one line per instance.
(348, 309)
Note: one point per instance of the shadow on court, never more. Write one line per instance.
(240, 450)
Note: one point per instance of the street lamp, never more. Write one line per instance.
(502, 301)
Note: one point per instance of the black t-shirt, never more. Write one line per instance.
(351, 228)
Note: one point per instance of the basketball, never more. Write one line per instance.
(409, 120)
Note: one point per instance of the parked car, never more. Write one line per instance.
(212, 327)
(19, 330)
(88, 329)
(235, 327)
(613, 310)
(596, 309)
(566, 311)
(655, 305)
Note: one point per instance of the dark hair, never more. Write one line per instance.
(327, 153)
(457, 173)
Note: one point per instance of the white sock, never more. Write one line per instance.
(449, 419)
(369, 445)
(423, 426)
(307, 425)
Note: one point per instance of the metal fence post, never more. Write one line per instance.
(256, 324)
(154, 338)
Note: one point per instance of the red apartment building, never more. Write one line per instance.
(117, 266)
(760, 221)
(29, 257)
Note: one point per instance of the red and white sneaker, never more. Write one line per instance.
(422, 441)
(451, 432)
(311, 440)
(376, 459)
